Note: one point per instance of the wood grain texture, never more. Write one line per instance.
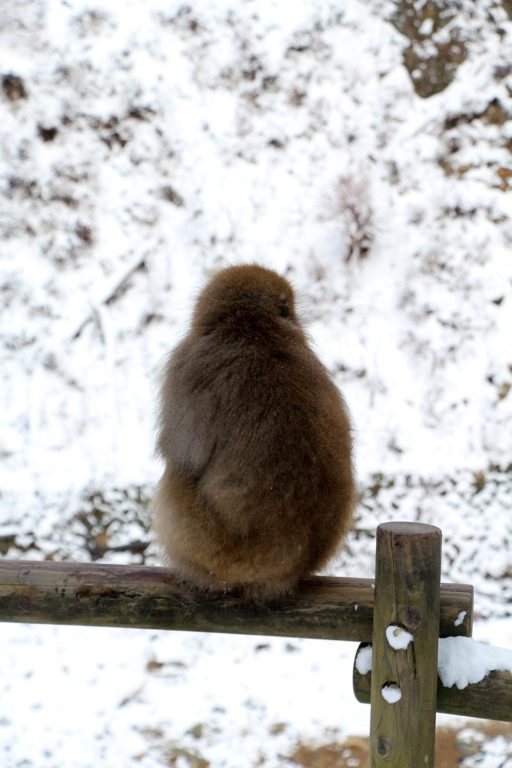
(145, 597)
(408, 568)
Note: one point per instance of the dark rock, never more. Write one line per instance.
(431, 58)
(169, 193)
(14, 87)
(46, 134)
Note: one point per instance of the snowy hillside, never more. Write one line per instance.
(363, 149)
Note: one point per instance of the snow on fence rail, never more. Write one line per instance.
(402, 614)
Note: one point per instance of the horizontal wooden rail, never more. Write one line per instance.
(490, 699)
(144, 597)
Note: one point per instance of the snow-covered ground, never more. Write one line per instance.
(142, 146)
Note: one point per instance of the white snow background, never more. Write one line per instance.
(153, 142)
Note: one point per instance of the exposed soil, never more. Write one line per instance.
(464, 746)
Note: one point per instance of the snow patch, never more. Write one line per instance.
(391, 693)
(463, 660)
(460, 618)
(398, 637)
(364, 660)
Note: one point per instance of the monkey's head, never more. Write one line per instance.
(245, 292)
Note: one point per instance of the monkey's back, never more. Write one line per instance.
(258, 488)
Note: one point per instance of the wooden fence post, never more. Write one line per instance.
(405, 642)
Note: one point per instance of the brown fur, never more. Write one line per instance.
(258, 488)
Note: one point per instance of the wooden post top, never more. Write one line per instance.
(409, 529)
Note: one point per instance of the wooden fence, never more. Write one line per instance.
(403, 686)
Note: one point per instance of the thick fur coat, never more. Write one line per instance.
(258, 488)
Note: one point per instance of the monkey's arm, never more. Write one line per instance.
(187, 436)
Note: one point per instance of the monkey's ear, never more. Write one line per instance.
(283, 306)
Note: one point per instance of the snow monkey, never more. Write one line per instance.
(258, 487)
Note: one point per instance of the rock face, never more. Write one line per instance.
(436, 46)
